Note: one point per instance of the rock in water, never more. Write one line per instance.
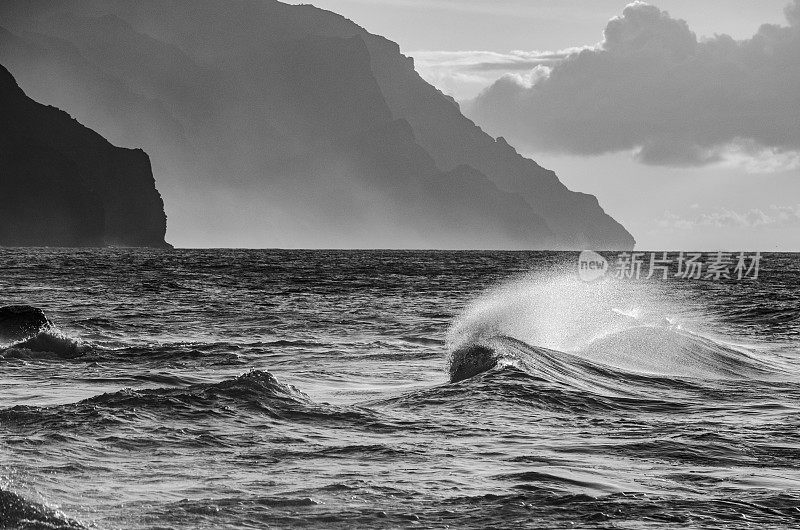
(470, 361)
(18, 322)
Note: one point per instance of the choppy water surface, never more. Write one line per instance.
(192, 389)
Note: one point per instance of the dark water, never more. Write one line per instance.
(252, 389)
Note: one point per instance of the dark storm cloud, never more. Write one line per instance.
(653, 87)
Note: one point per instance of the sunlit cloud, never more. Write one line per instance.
(653, 88)
(774, 216)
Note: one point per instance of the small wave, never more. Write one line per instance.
(254, 393)
(17, 512)
(48, 344)
(422, 341)
(257, 389)
(217, 353)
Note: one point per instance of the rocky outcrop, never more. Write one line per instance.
(64, 185)
(18, 322)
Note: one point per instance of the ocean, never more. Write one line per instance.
(372, 389)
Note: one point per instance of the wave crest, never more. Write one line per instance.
(256, 388)
(17, 512)
(256, 392)
(47, 344)
(470, 361)
(629, 329)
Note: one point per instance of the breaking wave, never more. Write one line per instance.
(550, 327)
(50, 343)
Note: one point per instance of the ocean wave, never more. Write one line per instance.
(17, 512)
(213, 354)
(53, 344)
(557, 509)
(555, 326)
(254, 393)
(566, 314)
(675, 352)
(640, 369)
(422, 340)
(50, 343)
(257, 388)
(641, 363)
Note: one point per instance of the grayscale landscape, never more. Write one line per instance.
(399, 264)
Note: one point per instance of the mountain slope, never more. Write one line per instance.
(65, 185)
(291, 126)
(453, 140)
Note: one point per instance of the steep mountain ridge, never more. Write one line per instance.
(299, 117)
(454, 140)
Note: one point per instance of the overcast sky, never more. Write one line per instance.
(719, 172)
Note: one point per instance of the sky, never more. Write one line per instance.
(719, 171)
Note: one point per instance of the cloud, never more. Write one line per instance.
(774, 216)
(489, 61)
(464, 74)
(651, 87)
